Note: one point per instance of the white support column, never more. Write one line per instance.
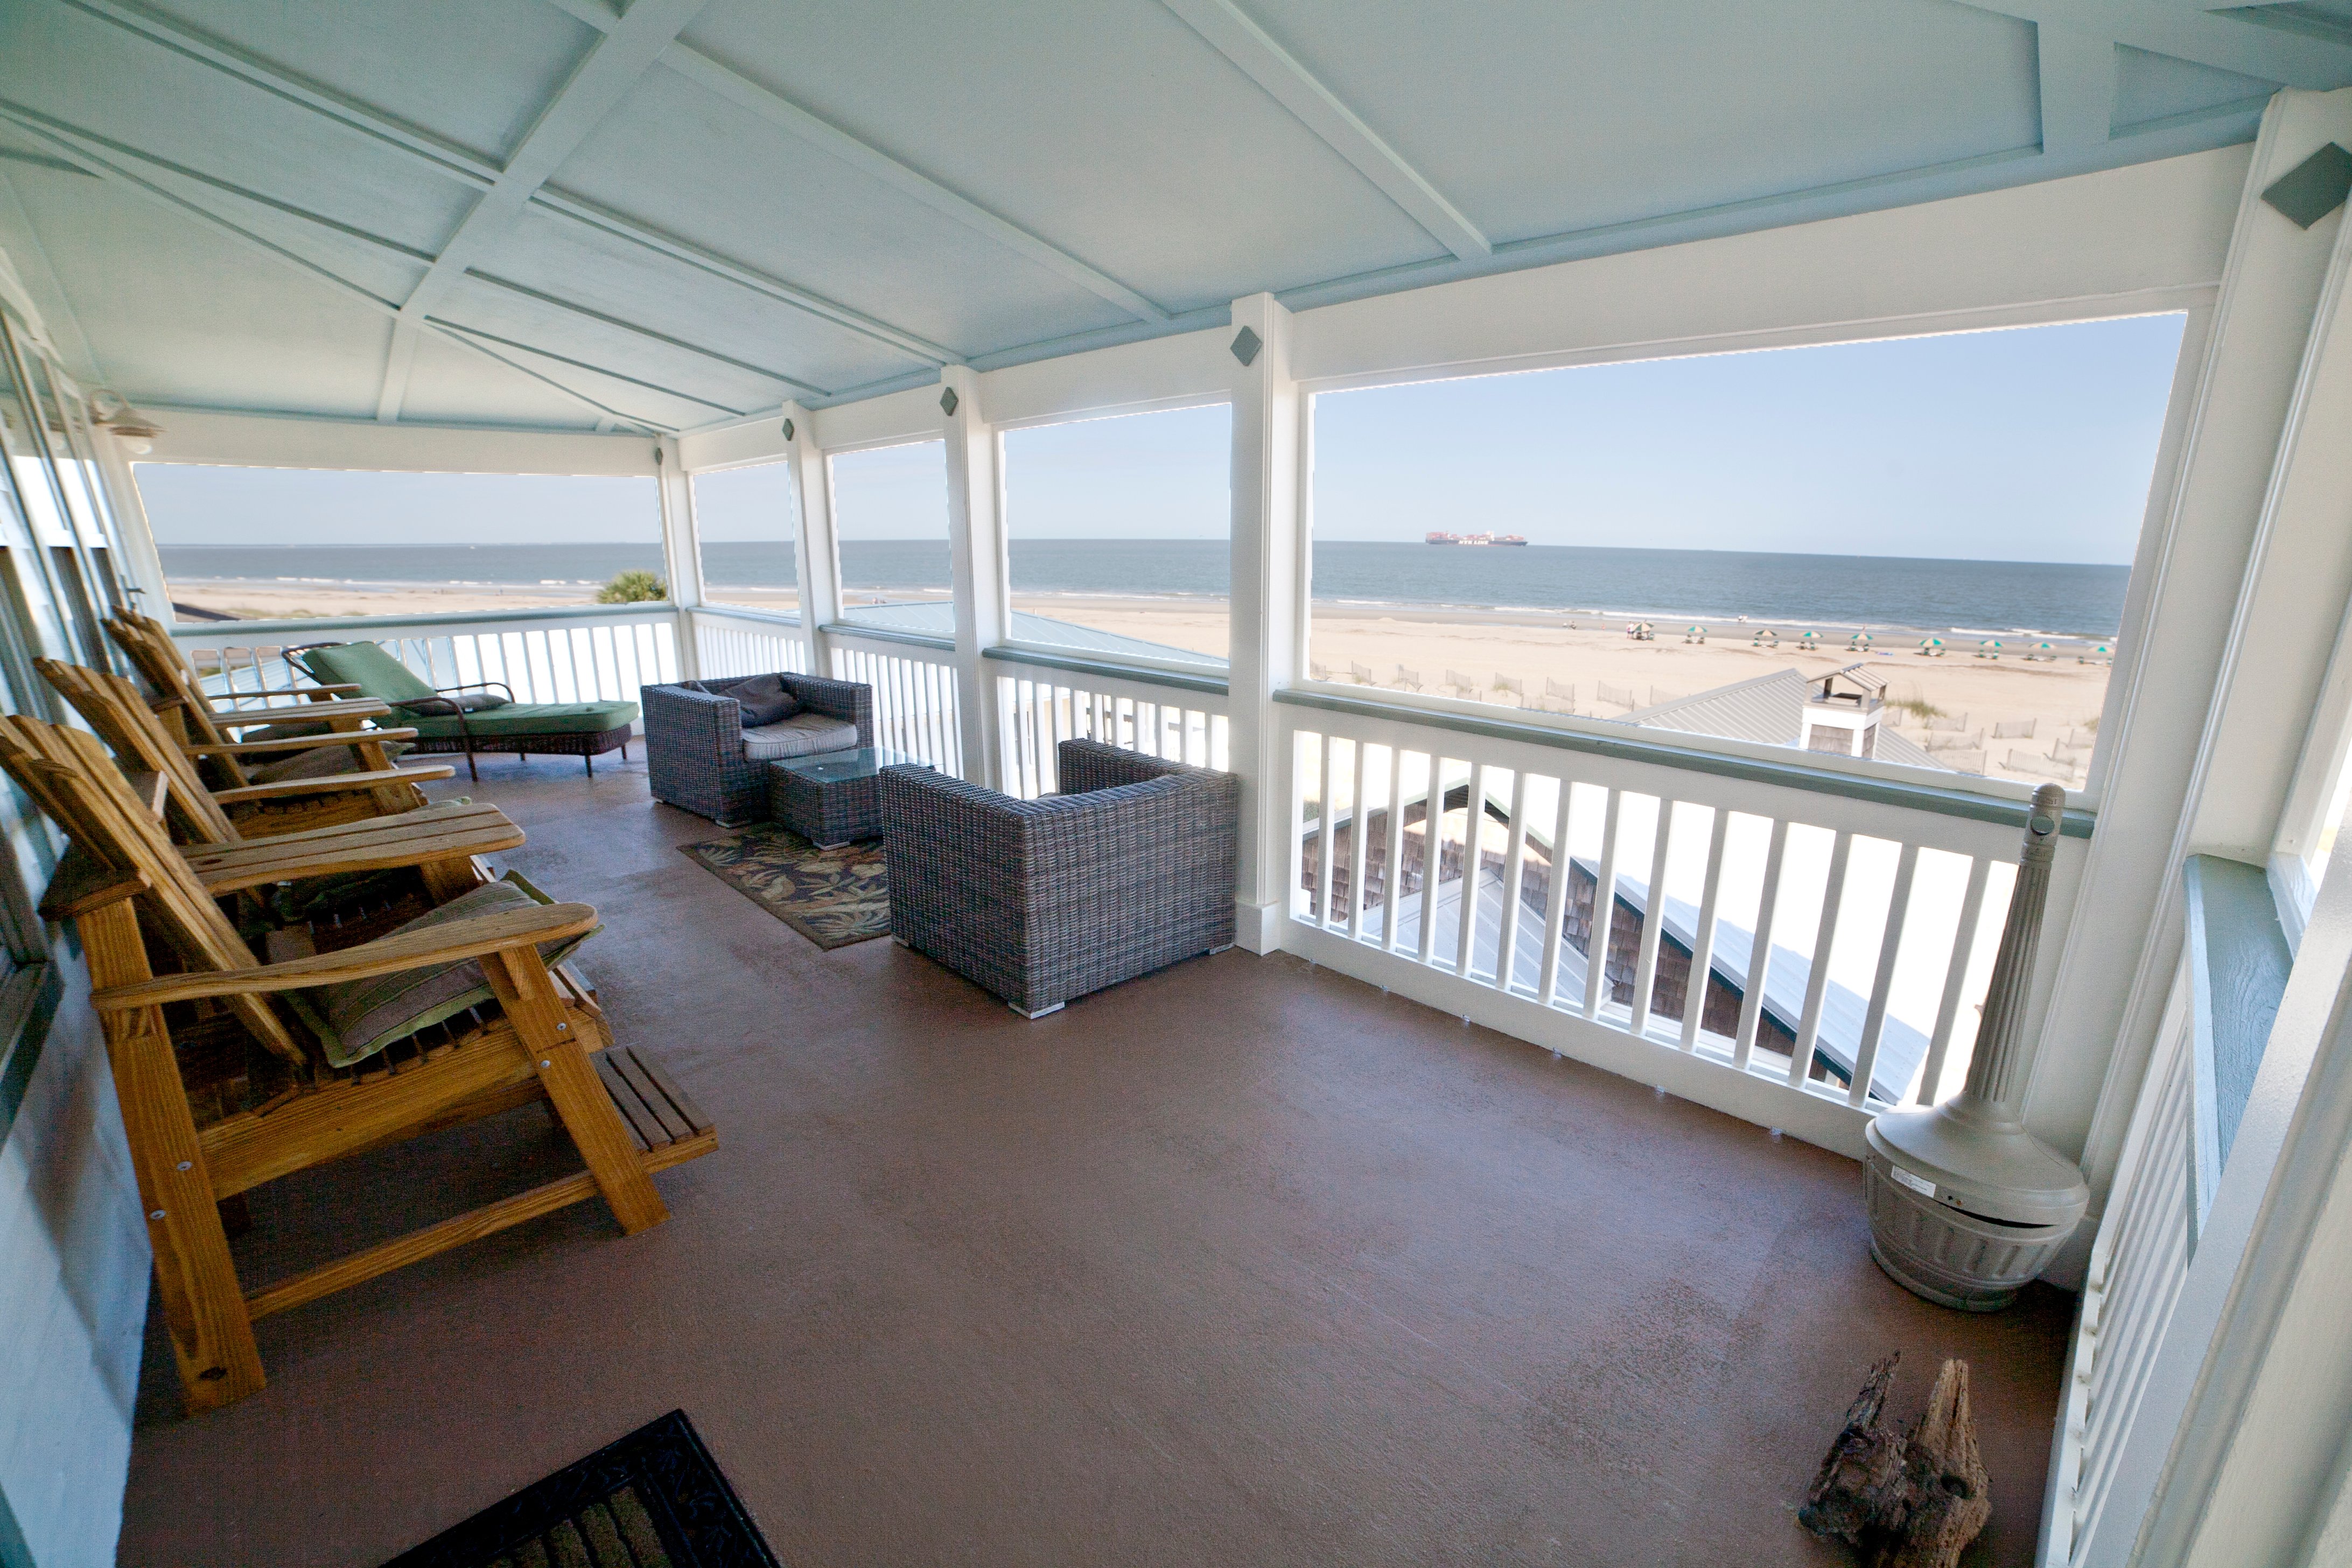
(2203, 541)
(976, 548)
(681, 549)
(1269, 549)
(816, 560)
(135, 555)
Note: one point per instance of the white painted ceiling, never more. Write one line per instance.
(549, 214)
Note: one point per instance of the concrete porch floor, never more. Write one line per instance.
(1241, 1262)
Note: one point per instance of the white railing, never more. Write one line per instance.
(2140, 1262)
(585, 654)
(1822, 944)
(915, 693)
(730, 643)
(1038, 706)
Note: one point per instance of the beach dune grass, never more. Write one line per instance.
(633, 587)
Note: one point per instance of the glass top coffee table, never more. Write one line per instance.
(833, 798)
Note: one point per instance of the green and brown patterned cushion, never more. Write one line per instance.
(357, 1018)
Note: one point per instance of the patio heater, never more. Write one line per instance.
(1966, 1206)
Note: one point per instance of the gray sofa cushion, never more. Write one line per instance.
(801, 735)
(764, 700)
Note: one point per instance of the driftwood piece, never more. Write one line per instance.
(1905, 1500)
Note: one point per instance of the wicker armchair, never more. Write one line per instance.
(696, 756)
(1042, 900)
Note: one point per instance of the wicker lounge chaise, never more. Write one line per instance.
(1040, 902)
(700, 758)
(473, 718)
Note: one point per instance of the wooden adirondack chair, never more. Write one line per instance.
(148, 645)
(220, 1093)
(114, 708)
(181, 705)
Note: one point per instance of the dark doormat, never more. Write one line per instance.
(833, 897)
(654, 1499)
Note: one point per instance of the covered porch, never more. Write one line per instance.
(1498, 1195)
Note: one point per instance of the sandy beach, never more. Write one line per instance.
(2060, 700)
(1546, 655)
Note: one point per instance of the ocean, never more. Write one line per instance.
(1840, 590)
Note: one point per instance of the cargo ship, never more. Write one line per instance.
(1437, 538)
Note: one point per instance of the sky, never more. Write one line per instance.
(2032, 444)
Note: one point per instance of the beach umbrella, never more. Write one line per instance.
(1695, 633)
(1809, 638)
(1988, 649)
(1932, 646)
(2045, 650)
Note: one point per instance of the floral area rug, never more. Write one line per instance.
(833, 897)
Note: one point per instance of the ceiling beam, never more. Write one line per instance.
(745, 93)
(534, 350)
(113, 173)
(2185, 33)
(456, 161)
(779, 111)
(610, 67)
(590, 215)
(570, 307)
(480, 172)
(40, 278)
(1251, 47)
(2078, 88)
(88, 140)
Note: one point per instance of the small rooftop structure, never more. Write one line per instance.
(1835, 713)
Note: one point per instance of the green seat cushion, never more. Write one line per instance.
(527, 719)
(367, 666)
(358, 1018)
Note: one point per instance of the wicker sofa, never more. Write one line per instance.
(1129, 870)
(699, 758)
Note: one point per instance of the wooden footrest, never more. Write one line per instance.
(667, 1128)
(659, 1115)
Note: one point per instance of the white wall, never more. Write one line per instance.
(74, 1270)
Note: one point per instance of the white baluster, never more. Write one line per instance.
(1817, 979)
(1873, 1023)
(1605, 911)
(1654, 920)
(1701, 961)
(1760, 951)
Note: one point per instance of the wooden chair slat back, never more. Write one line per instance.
(122, 718)
(148, 644)
(23, 748)
(67, 770)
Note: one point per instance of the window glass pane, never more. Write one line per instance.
(55, 617)
(273, 542)
(1913, 550)
(1118, 533)
(744, 519)
(60, 416)
(33, 598)
(890, 516)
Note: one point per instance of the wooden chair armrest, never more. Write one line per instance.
(303, 713)
(382, 843)
(500, 932)
(303, 691)
(300, 742)
(83, 882)
(331, 783)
